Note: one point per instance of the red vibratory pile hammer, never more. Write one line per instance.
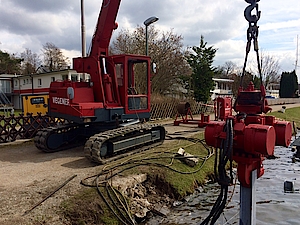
(251, 133)
(254, 134)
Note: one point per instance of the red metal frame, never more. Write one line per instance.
(187, 118)
(252, 101)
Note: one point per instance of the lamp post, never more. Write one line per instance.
(147, 22)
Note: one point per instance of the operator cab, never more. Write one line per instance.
(133, 78)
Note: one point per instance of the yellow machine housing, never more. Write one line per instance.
(35, 103)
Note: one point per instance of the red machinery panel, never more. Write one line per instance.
(223, 108)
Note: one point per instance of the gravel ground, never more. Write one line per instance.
(28, 175)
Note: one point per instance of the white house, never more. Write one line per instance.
(223, 88)
(273, 90)
(38, 83)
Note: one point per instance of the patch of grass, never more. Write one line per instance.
(87, 208)
(175, 176)
(7, 114)
(185, 180)
(17, 112)
(40, 219)
(291, 114)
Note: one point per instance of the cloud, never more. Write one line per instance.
(32, 6)
(230, 50)
(31, 23)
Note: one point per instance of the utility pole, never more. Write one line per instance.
(296, 64)
(83, 41)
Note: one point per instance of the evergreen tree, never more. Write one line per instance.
(288, 85)
(9, 64)
(256, 82)
(201, 59)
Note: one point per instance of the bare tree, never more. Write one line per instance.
(54, 59)
(229, 67)
(130, 42)
(31, 61)
(226, 70)
(166, 50)
(236, 77)
(269, 69)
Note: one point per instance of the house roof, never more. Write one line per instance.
(223, 80)
(8, 76)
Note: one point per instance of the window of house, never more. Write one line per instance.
(52, 79)
(39, 82)
(65, 77)
(24, 81)
(16, 83)
(73, 77)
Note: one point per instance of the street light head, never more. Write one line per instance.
(150, 20)
(147, 22)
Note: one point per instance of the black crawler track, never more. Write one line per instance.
(42, 136)
(93, 145)
(92, 149)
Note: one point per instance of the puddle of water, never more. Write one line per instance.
(274, 205)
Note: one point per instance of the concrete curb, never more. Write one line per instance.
(16, 142)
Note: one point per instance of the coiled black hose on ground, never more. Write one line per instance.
(113, 199)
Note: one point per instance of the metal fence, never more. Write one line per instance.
(26, 126)
(169, 109)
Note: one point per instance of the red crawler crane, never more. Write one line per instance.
(106, 110)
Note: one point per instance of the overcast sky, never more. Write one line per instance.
(32, 23)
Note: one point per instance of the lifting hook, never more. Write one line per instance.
(252, 34)
(247, 13)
